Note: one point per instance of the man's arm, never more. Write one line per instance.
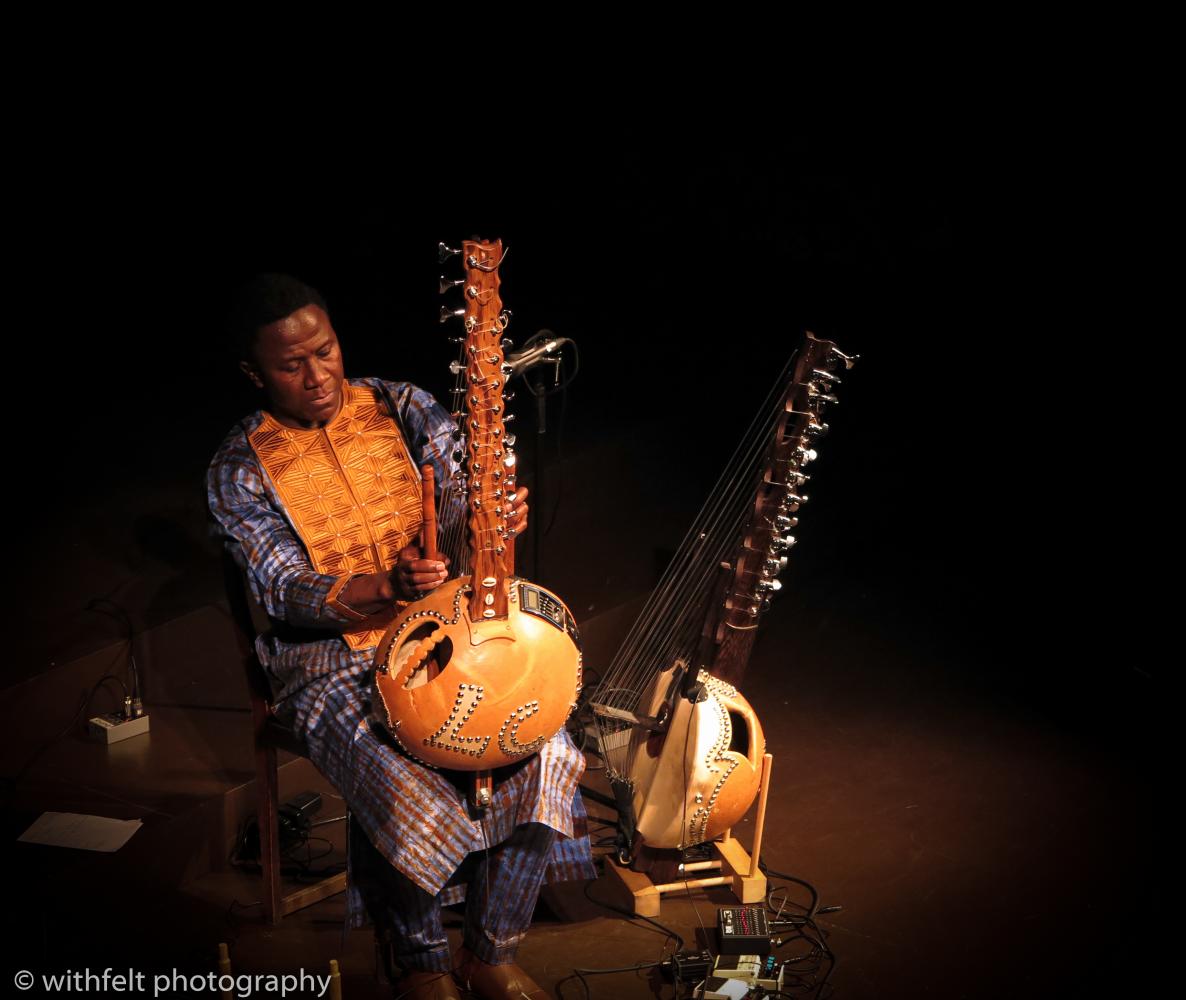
(264, 545)
(277, 566)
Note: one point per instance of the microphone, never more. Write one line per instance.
(534, 355)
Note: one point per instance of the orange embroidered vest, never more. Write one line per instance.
(351, 491)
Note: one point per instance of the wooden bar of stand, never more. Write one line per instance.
(740, 870)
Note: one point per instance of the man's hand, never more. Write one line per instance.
(413, 576)
(517, 510)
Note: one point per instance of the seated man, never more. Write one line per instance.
(318, 498)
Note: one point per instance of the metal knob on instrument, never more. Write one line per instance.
(448, 314)
(848, 359)
(782, 544)
(776, 565)
(818, 396)
(817, 429)
(769, 585)
(444, 252)
(446, 284)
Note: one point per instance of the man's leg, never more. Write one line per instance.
(405, 916)
(500, 900)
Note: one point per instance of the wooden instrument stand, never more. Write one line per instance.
(739, 870)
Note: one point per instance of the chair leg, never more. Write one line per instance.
(267, 785)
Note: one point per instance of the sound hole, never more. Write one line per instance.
(428, 651)
(739, 738)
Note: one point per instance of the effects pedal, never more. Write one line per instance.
(743, 930)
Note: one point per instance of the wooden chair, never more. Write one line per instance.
(270, 736)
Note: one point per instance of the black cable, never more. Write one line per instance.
(121, 614)
(82, 709)
(635, 916)
(580, 975)
(818, 954)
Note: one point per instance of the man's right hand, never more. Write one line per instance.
(413, 576)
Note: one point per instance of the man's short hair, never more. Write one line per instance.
(263, 300)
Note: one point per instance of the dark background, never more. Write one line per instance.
(685, 279)
(943, 537)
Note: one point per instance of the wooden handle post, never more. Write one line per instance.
(429, 504)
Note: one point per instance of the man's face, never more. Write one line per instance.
(298, 363)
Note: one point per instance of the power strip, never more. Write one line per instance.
(114, 728)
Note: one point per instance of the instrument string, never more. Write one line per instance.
(668, 591)
(680, 584)
(672, 620)
(701, 547)
(453, 519)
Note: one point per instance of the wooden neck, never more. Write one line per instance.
(490, 462)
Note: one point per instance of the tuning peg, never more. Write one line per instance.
(509, 461)
(817, 396)
(848, 359)
(770, 585)
(445, 252)
(508, 397)
(805, 455)
(446, 284)
(456, 367)
(448, 314)
(826, 375)
(506, 343)
(506, 369)
(817, 429)
(782, 544)
(776, 565)
(510, 440)
(508, 418)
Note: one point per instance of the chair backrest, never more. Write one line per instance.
(246, 615)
